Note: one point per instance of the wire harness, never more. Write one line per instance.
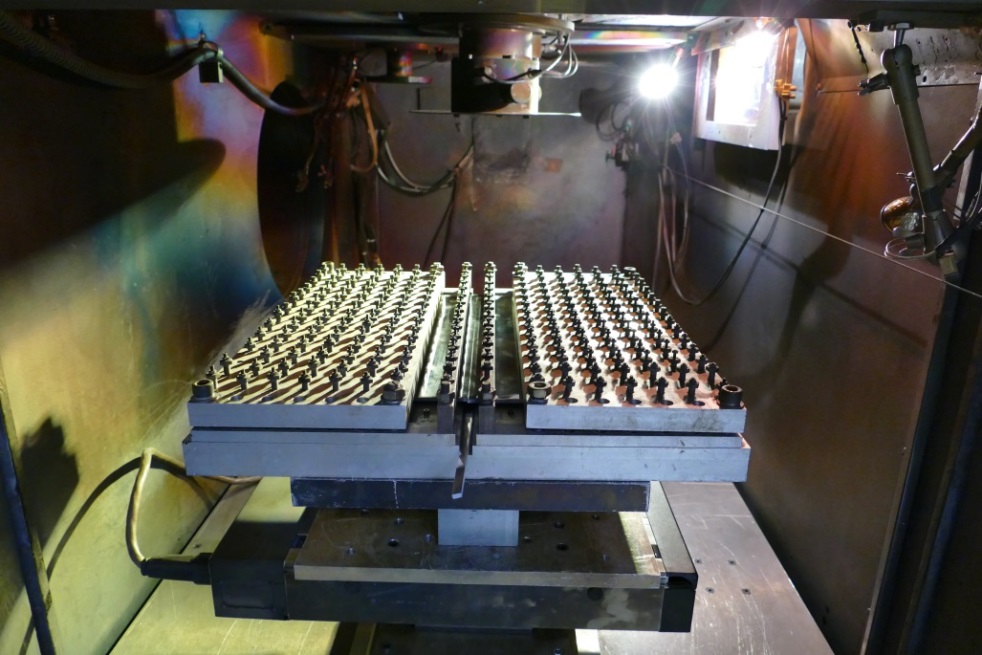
(38, 47)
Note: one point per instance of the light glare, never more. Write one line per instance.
(658, 82)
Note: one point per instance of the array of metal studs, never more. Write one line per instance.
(487, 390)
(455, 342)
(344, 337)
(606, 339)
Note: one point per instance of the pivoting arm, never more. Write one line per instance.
(900, 77)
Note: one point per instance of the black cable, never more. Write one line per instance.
(36, 46)
(254, 93)
(743, 244)
(450, 217)
(447, 213)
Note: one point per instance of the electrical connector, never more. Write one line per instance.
(189, 568)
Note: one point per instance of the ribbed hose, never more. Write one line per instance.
(43, 49)
(254, 93)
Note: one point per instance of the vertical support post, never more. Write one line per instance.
(28, 549)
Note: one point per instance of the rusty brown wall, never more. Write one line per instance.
(830, 343)
(538, 190)
(129, 252)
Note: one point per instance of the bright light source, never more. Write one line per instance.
(756, 47)
(658, 82)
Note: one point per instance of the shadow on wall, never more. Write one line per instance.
(44, 204)
(124, 262)
(50, 475)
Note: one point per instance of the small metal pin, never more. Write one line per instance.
(701, 368)
(713, 368)
(661, 385)
(683, 371)
(242, 380)
(630, 383)
(599, 385)
(304, 381)
(226, 364)
(254, 368)
(567, 388)
(690, 397)
(335, 380)
(273, 378)
(366, 382)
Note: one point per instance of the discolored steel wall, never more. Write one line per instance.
(539, 189)
(830, 343)
(129, 253)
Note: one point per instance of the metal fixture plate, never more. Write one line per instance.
(562, 549)
(283, 458)
(600, 352)
(550, 594)
(328, 353)
(539, 495)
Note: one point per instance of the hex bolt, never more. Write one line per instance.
(254, 369)
(212, 374)
(203, 391)
(273, 380)
(283, 367)
(335, 380)
(730, 396)
(242, 380)
(226, 364)
(366, 382)
(264, 353)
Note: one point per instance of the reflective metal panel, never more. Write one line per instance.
(129, 251)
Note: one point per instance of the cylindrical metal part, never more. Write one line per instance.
(899, 66)
(898, 63)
